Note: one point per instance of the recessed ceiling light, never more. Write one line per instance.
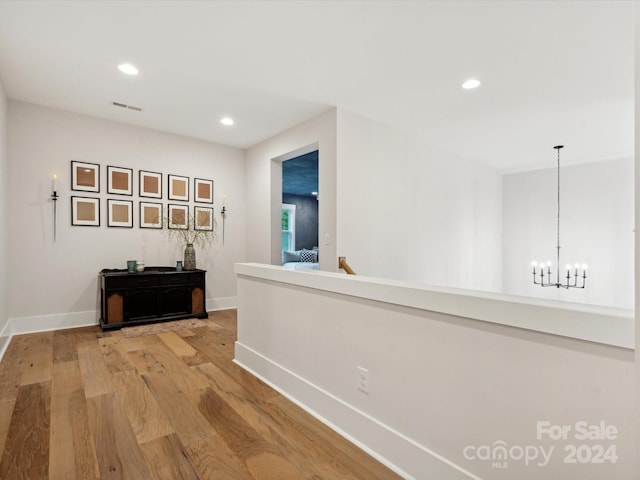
(226, 121)
(128, 69)
(471, 83)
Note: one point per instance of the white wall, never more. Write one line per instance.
(596, 228)
(60, 278)
(438, 382)
(636, 13)
(4, 209)
(264, 189)
(408, 213)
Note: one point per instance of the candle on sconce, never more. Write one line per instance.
(223, 213)
(224, 207)
(54, 201)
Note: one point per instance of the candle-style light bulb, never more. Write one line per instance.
(568, 267)
(55, 182)
(584, 267)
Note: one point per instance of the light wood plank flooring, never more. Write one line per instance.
(88, 404)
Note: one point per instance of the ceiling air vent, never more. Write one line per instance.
(130, 107)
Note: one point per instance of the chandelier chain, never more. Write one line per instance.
(575, 279)
(558, 224)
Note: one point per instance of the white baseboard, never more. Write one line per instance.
(57, 321)
(5, 338)
(222, 303)
(44, 323)
(401, 454)
(61, 321)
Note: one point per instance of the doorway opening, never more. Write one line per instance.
(300, 202)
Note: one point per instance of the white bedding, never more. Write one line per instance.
(300, 266)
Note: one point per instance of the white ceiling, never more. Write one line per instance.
(553, 72)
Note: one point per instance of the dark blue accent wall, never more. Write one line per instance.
(306, 220)
(300, 174)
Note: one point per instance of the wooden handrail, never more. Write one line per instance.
(342, 263)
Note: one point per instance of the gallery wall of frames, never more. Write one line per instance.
(148, 207)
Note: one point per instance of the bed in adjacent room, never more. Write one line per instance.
(301, 259)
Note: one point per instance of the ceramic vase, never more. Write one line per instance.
(189, 257)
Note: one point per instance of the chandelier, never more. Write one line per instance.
(575, 277)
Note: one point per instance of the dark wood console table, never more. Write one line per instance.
(157, 294)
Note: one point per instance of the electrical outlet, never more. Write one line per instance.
(327, 239)
(363, 379)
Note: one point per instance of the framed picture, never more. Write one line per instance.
(85, 177)
(178, 216)
(203, 190)
(119, 180)
(120, 213)
(150, 184)
(150, 215)
(203, 218)
(85, 211)
(178, 188)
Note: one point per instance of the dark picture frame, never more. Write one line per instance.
(150, 184)
(203, 218)
(202, 190)
(178, 188)
(150, 215)
(178, 216)
(85, 177)
(119, 180)
(85, 211)
(119, 213)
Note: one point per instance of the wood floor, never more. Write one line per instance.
(88, 404)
